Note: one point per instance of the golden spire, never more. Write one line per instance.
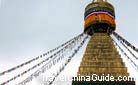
(99, 0)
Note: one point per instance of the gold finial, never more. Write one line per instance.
(99, 0)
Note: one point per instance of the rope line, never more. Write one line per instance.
(34, 59)
(52, 57)
(68, 61)
(121, 39)
(131, 61)
(38, 72)
(129, 50)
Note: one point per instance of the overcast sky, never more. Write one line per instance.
(31, 27)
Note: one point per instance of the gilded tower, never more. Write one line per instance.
(101, 57)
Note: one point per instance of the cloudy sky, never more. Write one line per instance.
(31, 27)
